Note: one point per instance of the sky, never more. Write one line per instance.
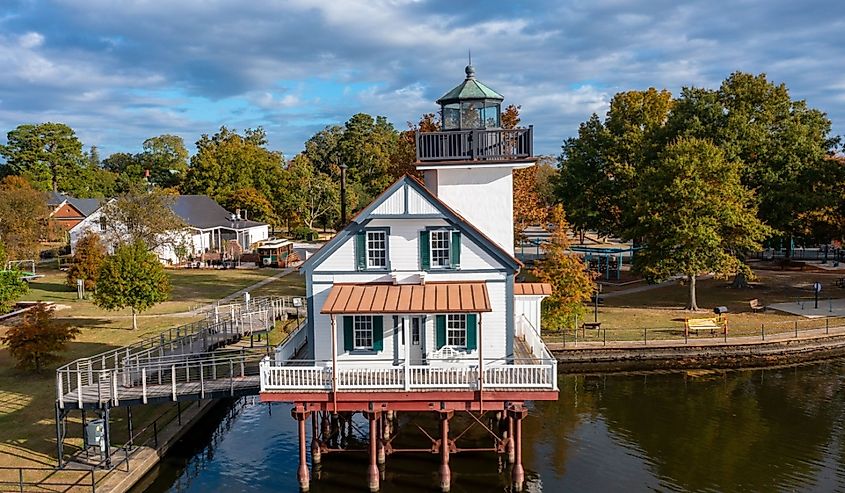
(121, 71)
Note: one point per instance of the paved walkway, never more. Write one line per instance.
(781, 336)
(648, 287)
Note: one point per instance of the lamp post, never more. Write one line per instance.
(343, 168)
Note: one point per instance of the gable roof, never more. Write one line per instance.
(85, 206)
(467, 228)
(203, 212)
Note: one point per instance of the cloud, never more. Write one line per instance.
(120, 72)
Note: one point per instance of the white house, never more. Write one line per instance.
(210, 228)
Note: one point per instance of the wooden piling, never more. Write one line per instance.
(302, 472)
(372, 472)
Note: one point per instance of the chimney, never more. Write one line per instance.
(238, 214)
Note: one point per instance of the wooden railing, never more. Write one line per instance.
(475, 145)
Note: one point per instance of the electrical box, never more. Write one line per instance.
(95, 431)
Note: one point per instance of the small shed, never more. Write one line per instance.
(275, 253)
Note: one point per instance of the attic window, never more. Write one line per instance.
(102, 223)
(440, 249)
(376, 249)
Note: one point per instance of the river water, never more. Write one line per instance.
(750, 430)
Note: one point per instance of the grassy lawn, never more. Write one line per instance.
(27, 433)
(661, 309)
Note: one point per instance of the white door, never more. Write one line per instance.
(416, 333)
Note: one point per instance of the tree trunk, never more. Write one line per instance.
(693, 304)
(134, 319)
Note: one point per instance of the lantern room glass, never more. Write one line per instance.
(468, 115)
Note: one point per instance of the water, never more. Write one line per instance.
(756, 430)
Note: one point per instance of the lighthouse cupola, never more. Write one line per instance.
(471, 105)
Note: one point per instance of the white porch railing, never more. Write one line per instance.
(293, 376)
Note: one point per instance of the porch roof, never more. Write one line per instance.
(432, 297)
(532, 288)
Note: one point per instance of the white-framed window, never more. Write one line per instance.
(440, 249)
(102, 223)
(362, 332)
(456, 330)
(376, 249)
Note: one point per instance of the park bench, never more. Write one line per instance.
(756, 306)
(712, 324)
(840, 283)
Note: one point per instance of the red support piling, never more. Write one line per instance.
(518, 473)
(372, 473)
(302, 472)
(509, 446)
(316, 452)
(445, 471)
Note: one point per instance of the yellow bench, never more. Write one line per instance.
(712, 324)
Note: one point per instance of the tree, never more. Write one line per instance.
(253, 201)
(167, 159)
(12, 287)
(46, 153)
(572, 283)
(36, 340)
(528, 208)
(143, 216)
(87, 260)
(314, 195)
(694, 215)
(227, 161)
(781, 143)
(132, 277)
(128, 170)
(23, 217)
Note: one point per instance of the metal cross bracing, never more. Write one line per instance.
(183, 363)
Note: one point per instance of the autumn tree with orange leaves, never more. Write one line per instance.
(572, 283)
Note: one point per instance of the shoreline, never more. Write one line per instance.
(741, 352)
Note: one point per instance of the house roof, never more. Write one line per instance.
(490, 246)
(202, 212)
(433, 297)
(532, 288)
(85, 206)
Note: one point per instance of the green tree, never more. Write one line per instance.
(783, 144)
(572, 283)
(373, 150)
(132, 277)
(312, 194)
(128, 170)
(23, 217)
(227, 161)
(167, 159)
(254, 202)
(12, 287)
(88, 258)
(36, 340)
(694, 215)
(46, 154)
(147, 217)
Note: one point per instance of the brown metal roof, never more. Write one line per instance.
(432, 297)
(532, 288)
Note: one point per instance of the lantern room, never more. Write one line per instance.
(471, 105)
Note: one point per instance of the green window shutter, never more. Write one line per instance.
(425, 251)
(361, 251)
(455, 257)
(348, 334)
(440, 329)
(378, 333)
(472, 331)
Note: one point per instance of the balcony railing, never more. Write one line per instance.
(475, 145)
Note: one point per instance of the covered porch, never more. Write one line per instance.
(411, 338)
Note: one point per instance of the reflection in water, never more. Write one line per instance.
(761, 430)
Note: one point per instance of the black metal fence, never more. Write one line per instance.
(471, 145)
